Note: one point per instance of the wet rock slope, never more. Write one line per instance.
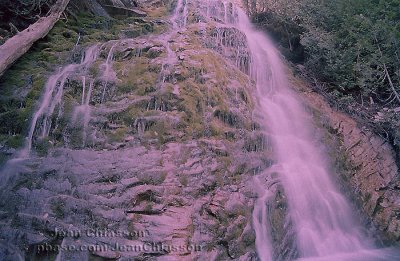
(148, 134)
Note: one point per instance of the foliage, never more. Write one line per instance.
(22, 12)
(352, 44)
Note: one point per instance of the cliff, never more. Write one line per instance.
(140, 138)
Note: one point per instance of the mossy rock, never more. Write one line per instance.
(15, 141)
(118, 135)
(42, 146)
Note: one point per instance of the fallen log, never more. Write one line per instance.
(19, 44)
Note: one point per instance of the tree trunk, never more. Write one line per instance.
(18, 45)
(385, 70)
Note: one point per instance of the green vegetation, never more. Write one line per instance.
(22, 85)
(118, 135)
(42, 146)
(157, 114)
(350, 44)
(139, 77)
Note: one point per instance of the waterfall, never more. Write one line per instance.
(83, 111)
(260, 222)
(180, 17)
(321, 218)
(42, 119)
(108, 74)
(83, 89)
(53, 95)
(324, 225)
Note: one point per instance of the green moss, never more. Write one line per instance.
(159, 130)
(100, 29)
(75, 137)
(216, 129)
(27, 181)
(118, 135)
(15, 141)
(58, 208)
(94, 70)
(42, 146)
(212, 63)
(93, 28)
(128, 116)
(192, 101)
(36, 91)
(228, 117)
(153, 178)
(27, 77)
(75, 134)
(140, 77)
(161, 11)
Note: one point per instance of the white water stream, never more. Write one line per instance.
(324, 225)
(53, 95)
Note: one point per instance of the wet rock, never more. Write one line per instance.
(235, 204)
(161, 150)
(251, 256)
(108, 255)
(10, 252)
(132, 33)
(154, 52)
(248, 236)
(234, 249)
(367, 164)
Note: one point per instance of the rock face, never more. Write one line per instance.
(149, 151)
(180, 195)
(364, 162)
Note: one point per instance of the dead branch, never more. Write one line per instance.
(387, 73)
(18, 45)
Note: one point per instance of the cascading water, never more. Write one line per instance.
(53, 96)
(179, 19)
(108, 73)
(83, 111)
(179, 22)
(42, 119)
(321, 215)
(322, 218)
(324, 226)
